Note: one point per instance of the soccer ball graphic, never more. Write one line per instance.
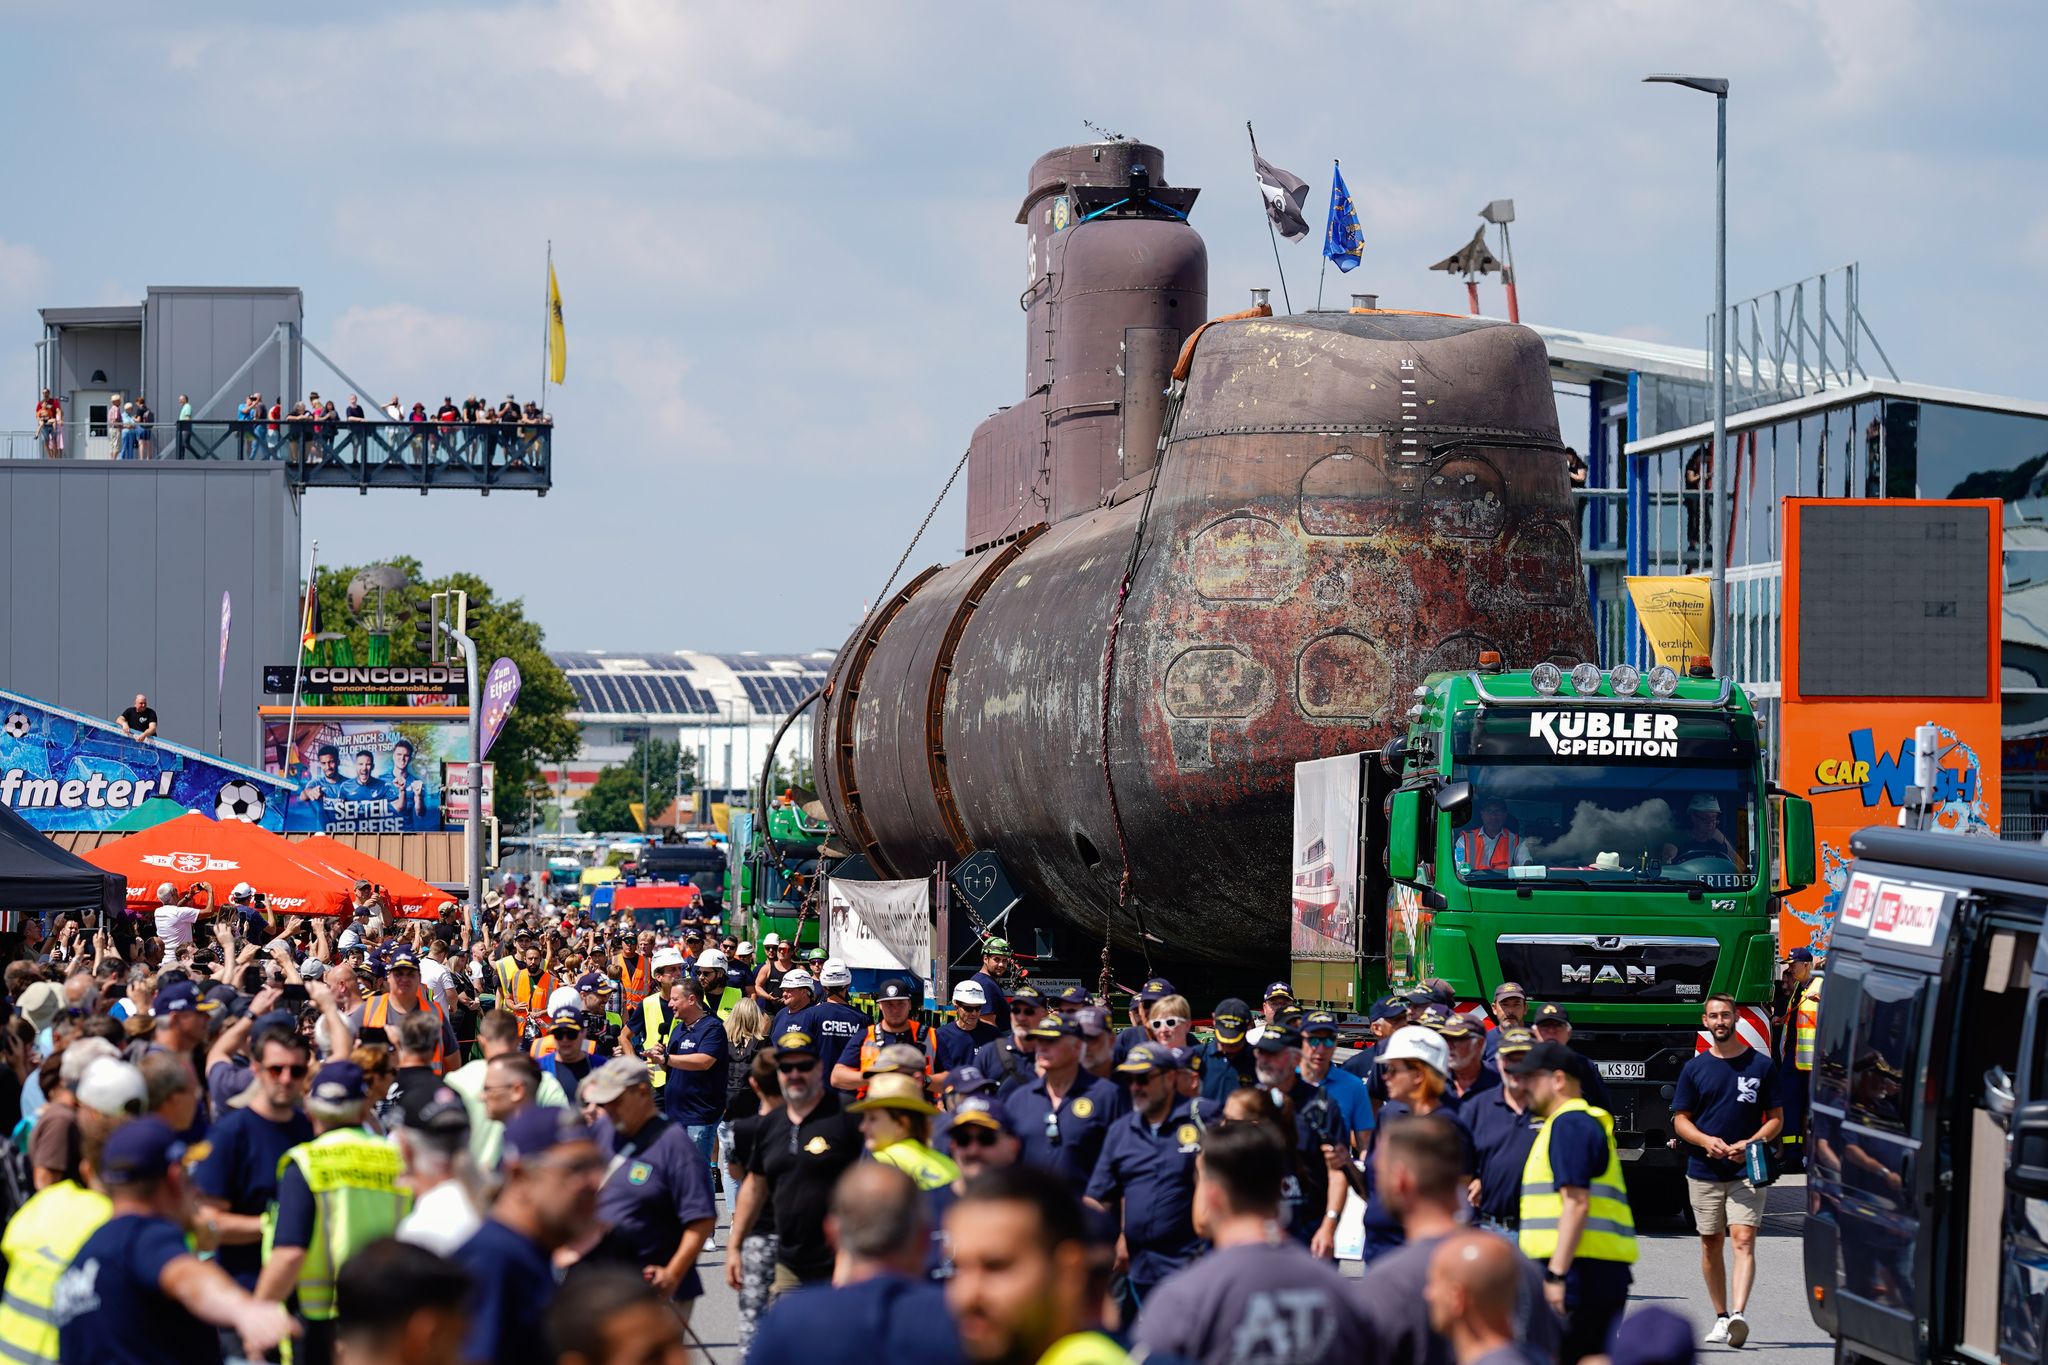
(17, 725)
(239, 800)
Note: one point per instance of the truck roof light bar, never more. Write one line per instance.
(1714, 703)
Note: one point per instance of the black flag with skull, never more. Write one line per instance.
(1285, 193)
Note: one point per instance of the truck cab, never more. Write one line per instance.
(1609, 841)
(1927, 1150)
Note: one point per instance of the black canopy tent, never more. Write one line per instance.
(37, 877)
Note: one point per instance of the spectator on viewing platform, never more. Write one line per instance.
(393, 411)
(272, 436)
(50, 425)
(139, 720)
(116, 423)
(184, 426)
(354, 411)
(144, 420)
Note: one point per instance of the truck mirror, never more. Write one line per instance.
(1455, 800)
(1797, 824)
(2026, 1171)
(1404, 830)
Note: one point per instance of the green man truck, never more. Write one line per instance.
(1608, 840)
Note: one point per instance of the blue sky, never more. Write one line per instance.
(784, 231)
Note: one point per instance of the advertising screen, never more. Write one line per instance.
(60, 770)
(365, 772)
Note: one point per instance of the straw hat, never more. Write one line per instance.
(894, 1090)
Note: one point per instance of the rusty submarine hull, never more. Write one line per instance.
(1196, 554)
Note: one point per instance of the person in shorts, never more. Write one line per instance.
(1726, 1102)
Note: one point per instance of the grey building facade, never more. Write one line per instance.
(113, 578)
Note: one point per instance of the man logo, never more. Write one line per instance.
(1746, 1088)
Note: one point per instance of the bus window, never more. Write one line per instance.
(1887, 1051)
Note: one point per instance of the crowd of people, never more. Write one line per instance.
(508, 1139)
(509, 433)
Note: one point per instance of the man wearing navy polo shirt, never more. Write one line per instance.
(1510, 1010)
(966, 1033)
(655, 1201)
(1227, 1058)
(1008, 1060)
(799, 1005)
(698, 1060)
(1064, 1115)
(1727, 1100)
(1146, 1173)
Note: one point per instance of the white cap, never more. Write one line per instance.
(565, 997)
(243, 891)
(711, 960)
(312, 969)
(969, 992)
(667, 957)
(112, 1087)
(165, 892)
(745, 949)
(82, 1054)
(834, 973)
(1414, 1043)
(772, 941)
(800, 980)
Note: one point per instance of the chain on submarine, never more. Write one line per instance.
(1342, 503)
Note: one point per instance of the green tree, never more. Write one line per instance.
(649, 769)
(538, 730)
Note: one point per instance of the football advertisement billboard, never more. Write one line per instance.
(60, 770)
(365, 772)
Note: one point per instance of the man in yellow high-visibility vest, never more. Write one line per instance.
(1575, 1216)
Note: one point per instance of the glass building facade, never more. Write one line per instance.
(1646, 506)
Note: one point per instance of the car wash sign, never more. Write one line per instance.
(63, 771)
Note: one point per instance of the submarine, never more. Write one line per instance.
(1197, 551)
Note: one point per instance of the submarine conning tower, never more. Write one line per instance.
(1115, 280)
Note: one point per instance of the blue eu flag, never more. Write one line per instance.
(1343, 240)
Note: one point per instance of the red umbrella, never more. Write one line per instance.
(410, 897)
(193, 849)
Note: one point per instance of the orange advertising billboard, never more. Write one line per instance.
(1890, 621)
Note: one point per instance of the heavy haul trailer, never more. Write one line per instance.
(1609, 841)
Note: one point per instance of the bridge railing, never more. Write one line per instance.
(320, 453)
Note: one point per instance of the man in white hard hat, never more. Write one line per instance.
(838, 1023)
(718, 994)
(799, 1004)
(656, 1020)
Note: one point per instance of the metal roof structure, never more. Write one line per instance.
(685, 685)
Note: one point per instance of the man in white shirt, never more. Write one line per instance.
(177, 914)
(435, 976)
(433, 1135)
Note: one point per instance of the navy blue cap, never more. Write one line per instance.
(796, 1043)
(1390, 1009)
(141, 1150)
(982, 1111)
(1277, 990)
(1651, 1335)
(180, 997)
(1029, 994)
(1800, 955)
(283, 1019)
(968, 1080)
(1071, 996)
(1232, 1016)
(895, 988)
(1158, 988)
(537, 1131)
(1552, 1013)
(402, 956)
(338, 1082)
(1055, 1026)
(1321, 1022)
(1276, 1039)
(1147, 1059)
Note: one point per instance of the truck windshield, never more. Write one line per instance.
(1658, 799)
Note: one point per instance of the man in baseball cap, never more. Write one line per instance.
(1226, 1058)
(1008, 1060)
(1279, 997)
(656, 1204)
(895, 998)
(552, 1167)
(1552, 1024)
(966, 1033)
(1064, 1115)
(135, 1290)
(1146, 1173)
(1510, 1009)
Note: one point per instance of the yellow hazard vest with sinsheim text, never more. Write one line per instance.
(1610, 1231)
(357, 1199)
(1806, 1023)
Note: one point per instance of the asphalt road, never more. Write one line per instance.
(1668, 1273)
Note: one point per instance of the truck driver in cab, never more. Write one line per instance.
(1490, 846)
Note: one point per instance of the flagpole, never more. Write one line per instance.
(291, 725)
(1271, 235)
(547, 317)
(1325, 270)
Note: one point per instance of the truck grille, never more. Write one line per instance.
(1643, 968)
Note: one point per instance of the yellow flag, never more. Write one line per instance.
(1678, 615)
(558, 341)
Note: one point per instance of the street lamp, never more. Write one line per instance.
(1717, 86)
